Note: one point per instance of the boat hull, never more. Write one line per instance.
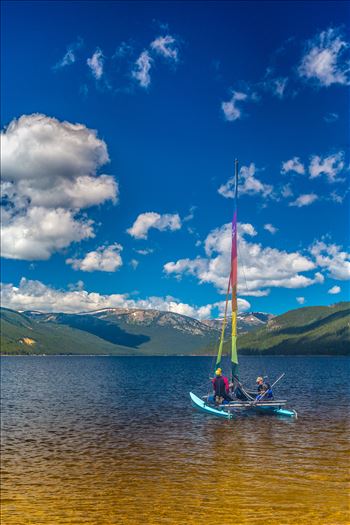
(277, 411)
(274, 408)
(201, 405)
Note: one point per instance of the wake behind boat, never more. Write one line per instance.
(230, 396)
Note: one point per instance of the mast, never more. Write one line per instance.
(233, 277)
(232, 287)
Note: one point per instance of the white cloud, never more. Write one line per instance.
(141, 71)
(331, 117)
(53, 163)
(95, 63)
(38, 232)
(293, 164)
(304, 200)
(70, 56)
(260, 267)
(334, 290)
(248, 184)
(146, 251)
(275, 85)
(231, 110)
(243, 229)
(49, 173)
(103, 259)
(335, 197)
(333, 258)
(286, 191)
(148, 220)
(270, 228)
(190, 215)
(329, 166)
(301, 300)
(279, 86)
(34, 295)
(227, 190)
(166, 46)
(324, 60)
(134, 264)
(123, 50)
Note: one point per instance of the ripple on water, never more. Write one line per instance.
(81, 447)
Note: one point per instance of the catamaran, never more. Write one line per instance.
(243, 399)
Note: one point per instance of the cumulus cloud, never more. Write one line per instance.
(70, 56)
(95, 64)
(103, 259)
(325, 60)
(304, 200)
(230, 108)
(39, 232)
(142, 67)
(270, 228)
(34, 295)
(293, 164)
(261, 267)
(248, 184)
(301, 300)
(148, 220)
(49, 173)
(333, 258)
(329, 166)
(166, 46)
(334, 290)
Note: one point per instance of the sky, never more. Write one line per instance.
(120, 125)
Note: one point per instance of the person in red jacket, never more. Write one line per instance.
(221, 387)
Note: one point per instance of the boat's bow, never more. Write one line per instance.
(201, 405)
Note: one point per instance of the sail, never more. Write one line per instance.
(233, 276)
(232, 287)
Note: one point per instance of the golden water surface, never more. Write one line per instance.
(70, 460)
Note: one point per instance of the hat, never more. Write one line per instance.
(218, 372)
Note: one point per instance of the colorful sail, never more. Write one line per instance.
(232, 287)
(234, 266)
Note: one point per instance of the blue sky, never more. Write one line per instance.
(129, 207)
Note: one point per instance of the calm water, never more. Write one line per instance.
(90, 440)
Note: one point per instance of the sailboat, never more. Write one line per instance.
(243, 400)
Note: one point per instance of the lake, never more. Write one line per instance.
(114, 440)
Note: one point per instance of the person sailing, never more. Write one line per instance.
(221, 387)
(264, 389)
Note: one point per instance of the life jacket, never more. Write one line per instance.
(219, 386)
(265, 391)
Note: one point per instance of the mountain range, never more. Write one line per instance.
(118, 331)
